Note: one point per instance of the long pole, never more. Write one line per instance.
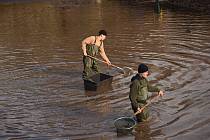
(106, 63)
(137, 112)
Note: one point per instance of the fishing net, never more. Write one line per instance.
(124, 124)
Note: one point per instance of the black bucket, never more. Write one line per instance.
(98, 81)
(124, 125)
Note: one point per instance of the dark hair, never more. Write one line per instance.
(102, 32)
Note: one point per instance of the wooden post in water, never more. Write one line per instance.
(157, 6)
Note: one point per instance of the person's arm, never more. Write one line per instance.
(103, 54)
(86, 41)
(154, 89)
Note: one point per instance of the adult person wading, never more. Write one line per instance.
(91, 46)
(139, 89)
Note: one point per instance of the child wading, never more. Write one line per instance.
(139, 89)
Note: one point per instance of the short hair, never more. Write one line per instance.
(102, 32)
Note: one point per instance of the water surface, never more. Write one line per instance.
(42, 94)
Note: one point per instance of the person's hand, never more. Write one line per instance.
(139, 110)
(85, 53)
(160, 93)
(108, 63)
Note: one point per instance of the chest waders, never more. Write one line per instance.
(142, 97)
(90, 65)
(144, 115)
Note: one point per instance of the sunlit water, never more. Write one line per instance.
(42, 95)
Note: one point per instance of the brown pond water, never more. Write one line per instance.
(42, 95)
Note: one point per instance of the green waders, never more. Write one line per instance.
(90, 65)
(144, 115)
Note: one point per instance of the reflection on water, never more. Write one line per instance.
(42, 94)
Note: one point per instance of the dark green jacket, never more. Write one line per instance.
(139, 89)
